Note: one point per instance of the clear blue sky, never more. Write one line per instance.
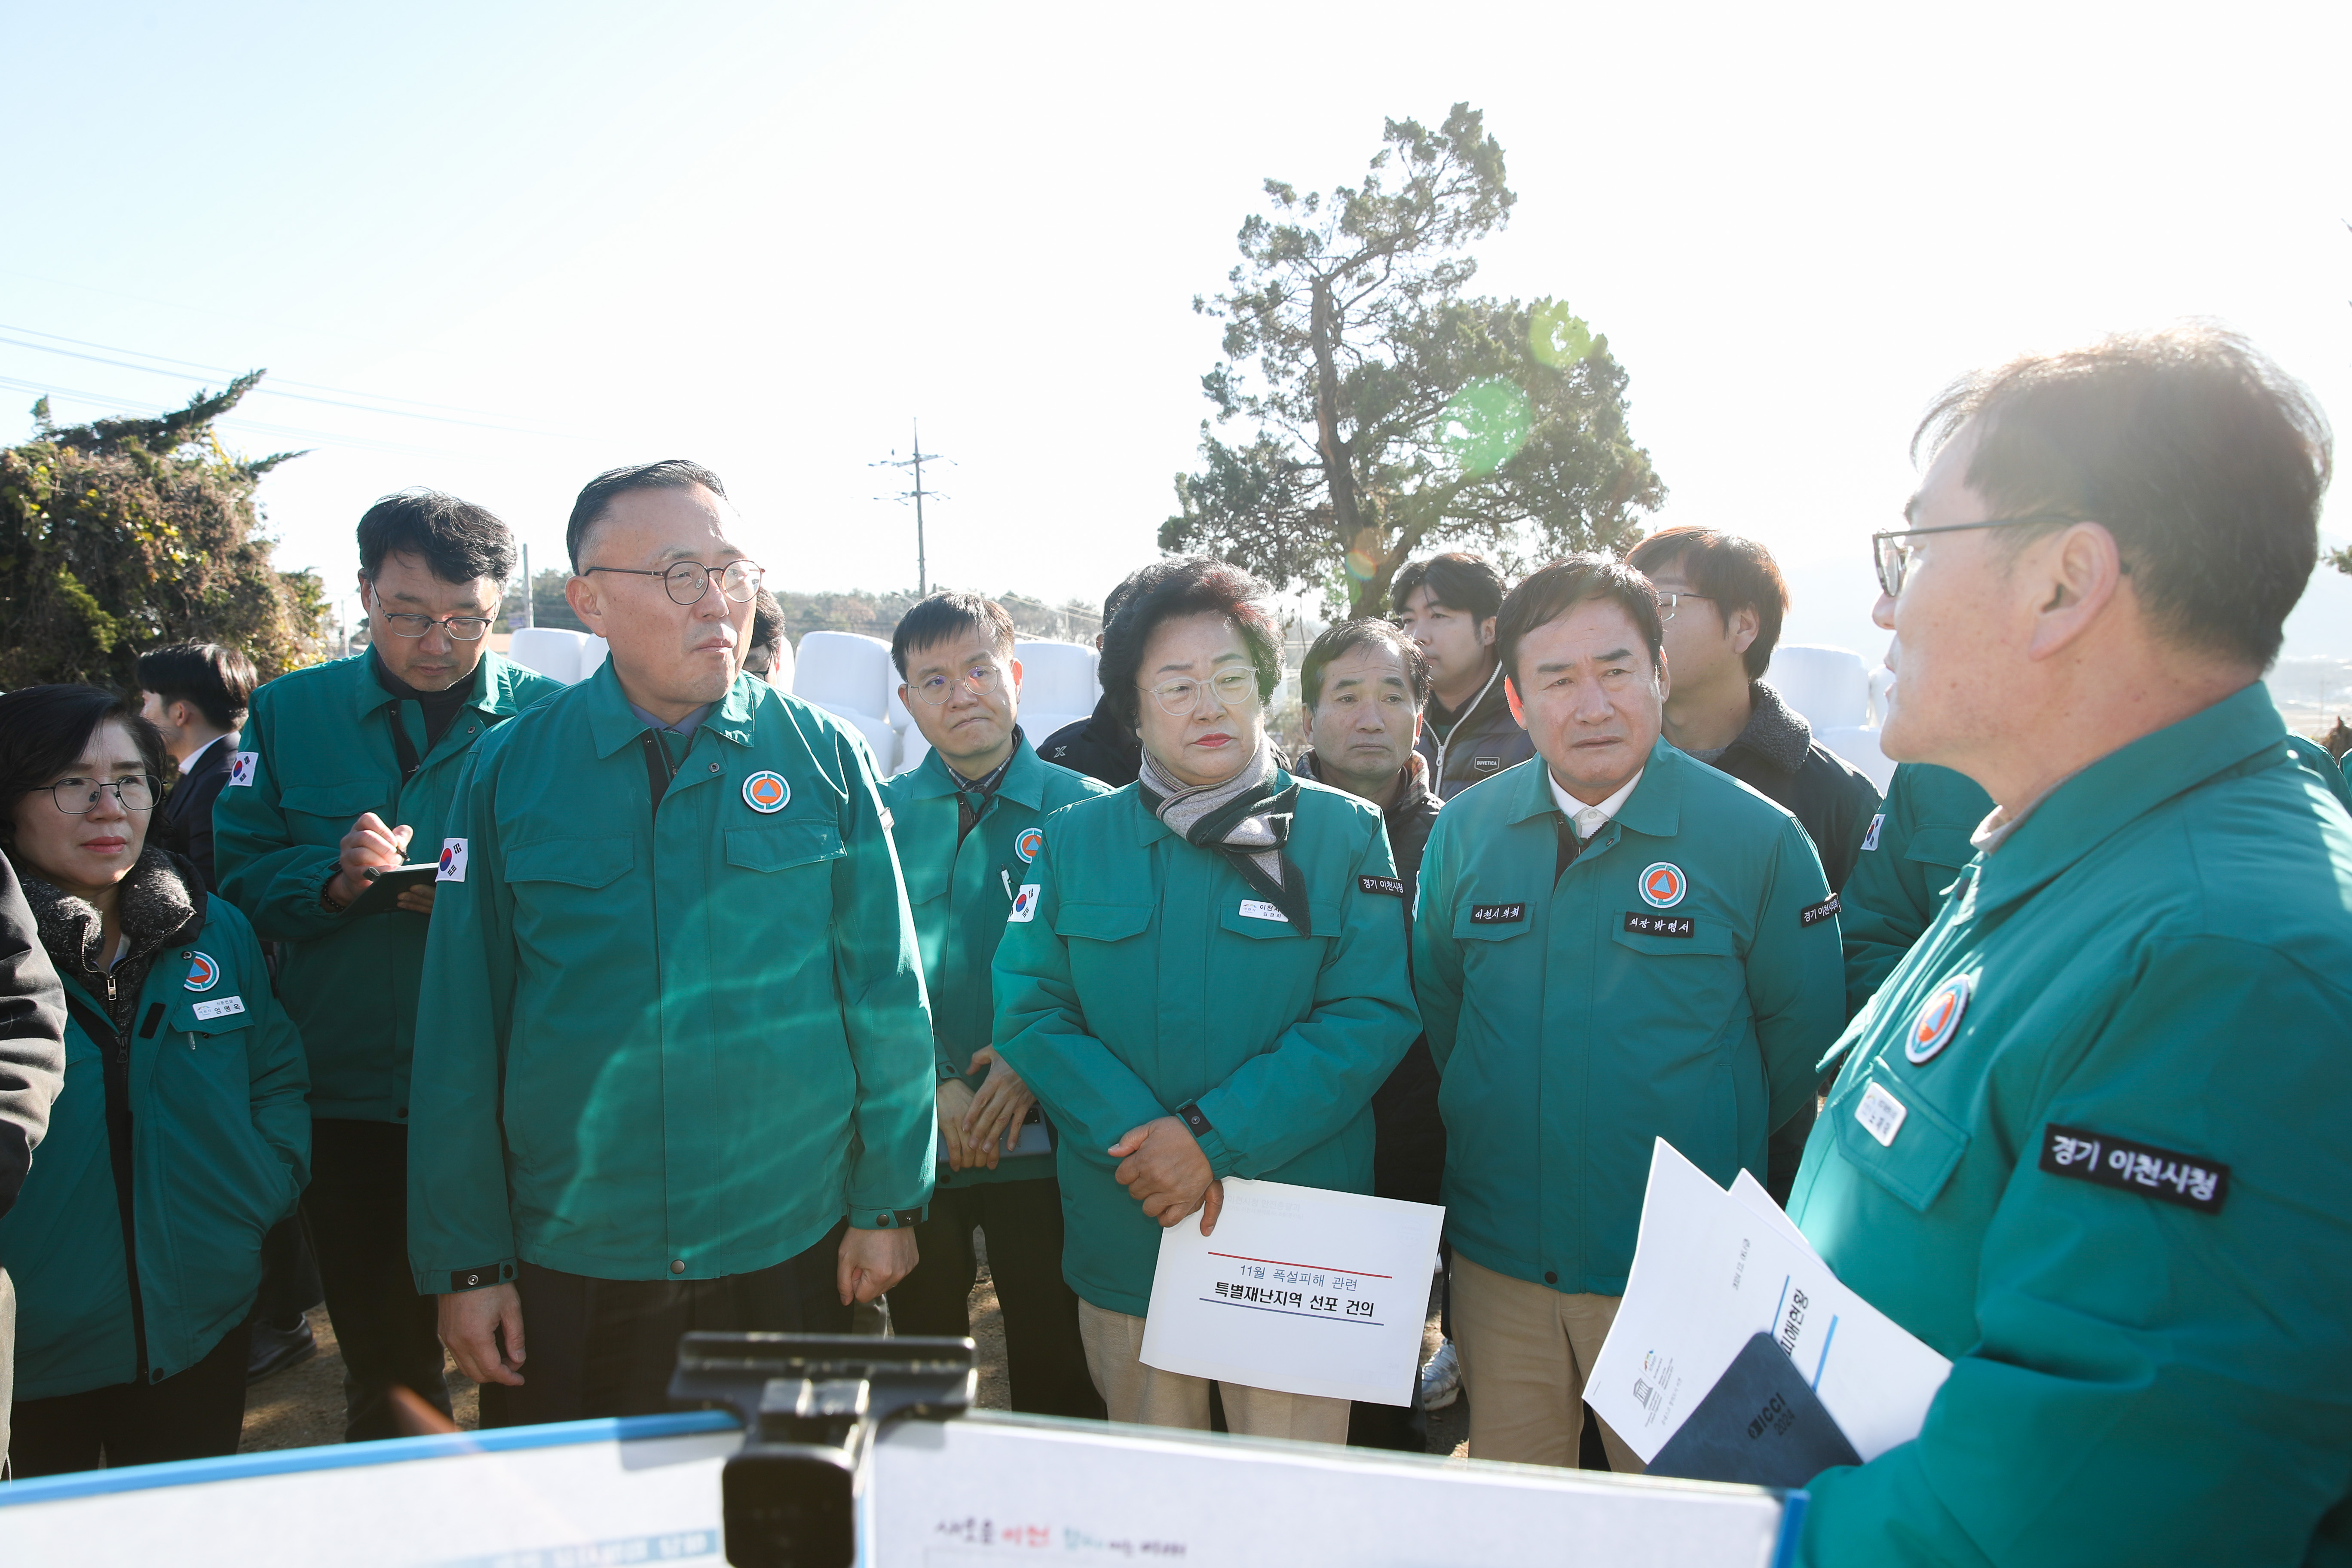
(767, 235)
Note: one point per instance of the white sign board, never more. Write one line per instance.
(979, 1490)
(1712, 1268)
(1298, 1289)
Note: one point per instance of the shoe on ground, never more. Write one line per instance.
(1441, 1379)
(274, 1349)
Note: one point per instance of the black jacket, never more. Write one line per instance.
(1777, 755)
(185, 818)
(32, 1036)
(1462, 749)
(1100, 747)
(1409, 1137)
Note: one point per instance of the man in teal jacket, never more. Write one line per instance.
(349, 766)
(674, 1064)
(2089, 1139)
(1616, 943)
(1910, 856)
(967, 824)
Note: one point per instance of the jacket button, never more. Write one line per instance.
(677, 1266)
(1550, 1278)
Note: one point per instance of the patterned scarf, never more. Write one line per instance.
(1243, 819)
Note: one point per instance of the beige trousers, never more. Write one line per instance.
(1150, 1397)
(1526, 1350)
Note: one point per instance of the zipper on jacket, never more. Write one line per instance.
(116, 1063)
(1438, 783)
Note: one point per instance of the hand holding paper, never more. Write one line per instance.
(1712, 1269)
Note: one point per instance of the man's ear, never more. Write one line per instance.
(586, 602)
(1511, 696)
(1746, 626)
(2073, 576)
(1665, 677)
(1487, 631)
(1017, 681)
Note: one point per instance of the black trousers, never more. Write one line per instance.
(1408, 1165)
(197, 1413)
(608, 1347)
(356, 1213)
(290, 1276)
(1022, 1220)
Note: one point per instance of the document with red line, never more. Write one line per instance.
(1299, 1291)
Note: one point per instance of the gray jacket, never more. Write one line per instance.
(32, 1036)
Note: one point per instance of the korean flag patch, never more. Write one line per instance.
(1870, 839)
(453, 860)
(1024, 905)
(242, 766)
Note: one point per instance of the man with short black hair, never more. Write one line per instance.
(2088, 1141)
(351, 767)
(196, 695)
(767, 656)
(1100, 746)
(968, 822)
(1614, 944)
(1721, 600)
(1447, 605)
(1363, 685)
(674, 1067)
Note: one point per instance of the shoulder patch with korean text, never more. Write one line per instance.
(1394, 887)
(1814, 914)
(1497, 914)
(2191, 1181)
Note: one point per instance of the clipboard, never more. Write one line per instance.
(383, 894)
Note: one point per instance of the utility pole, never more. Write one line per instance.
(524, 621)
(922, 566)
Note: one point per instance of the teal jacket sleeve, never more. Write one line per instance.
(1796, 974)
(1322, 1071)
(280, 1077)
(273, 881)
(2153, 1383)
(1093, 1098)
(878, 968)
(459, 1226)
(1887, 901)
(1436, 952)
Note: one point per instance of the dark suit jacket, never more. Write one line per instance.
(185, 819)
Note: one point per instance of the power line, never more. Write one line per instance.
(266, 389)
(115, 405)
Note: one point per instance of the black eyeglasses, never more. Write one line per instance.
(686, 582)
(78, 797)
(1892, 556)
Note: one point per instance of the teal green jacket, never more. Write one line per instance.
(320, 745)
(673, 1040)
(1131, 983)
(2112, 1187)
(1911, 854)
(220, 1148)
(1575, 1020)
(2313, 755)
(960, 893)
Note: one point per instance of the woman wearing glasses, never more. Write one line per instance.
(182, 1135)
(1203, 976)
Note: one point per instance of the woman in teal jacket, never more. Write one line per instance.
(1203, 976)
(182, 1135)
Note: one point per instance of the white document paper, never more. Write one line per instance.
(1712, 1268)
(1298, 1289)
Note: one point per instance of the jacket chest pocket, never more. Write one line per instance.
(336, 806)
(1101, 922)
(586, 863)
(780, 845)
(1887, 1129)
(1669, 933)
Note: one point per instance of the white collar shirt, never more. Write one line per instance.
(1588, 819)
